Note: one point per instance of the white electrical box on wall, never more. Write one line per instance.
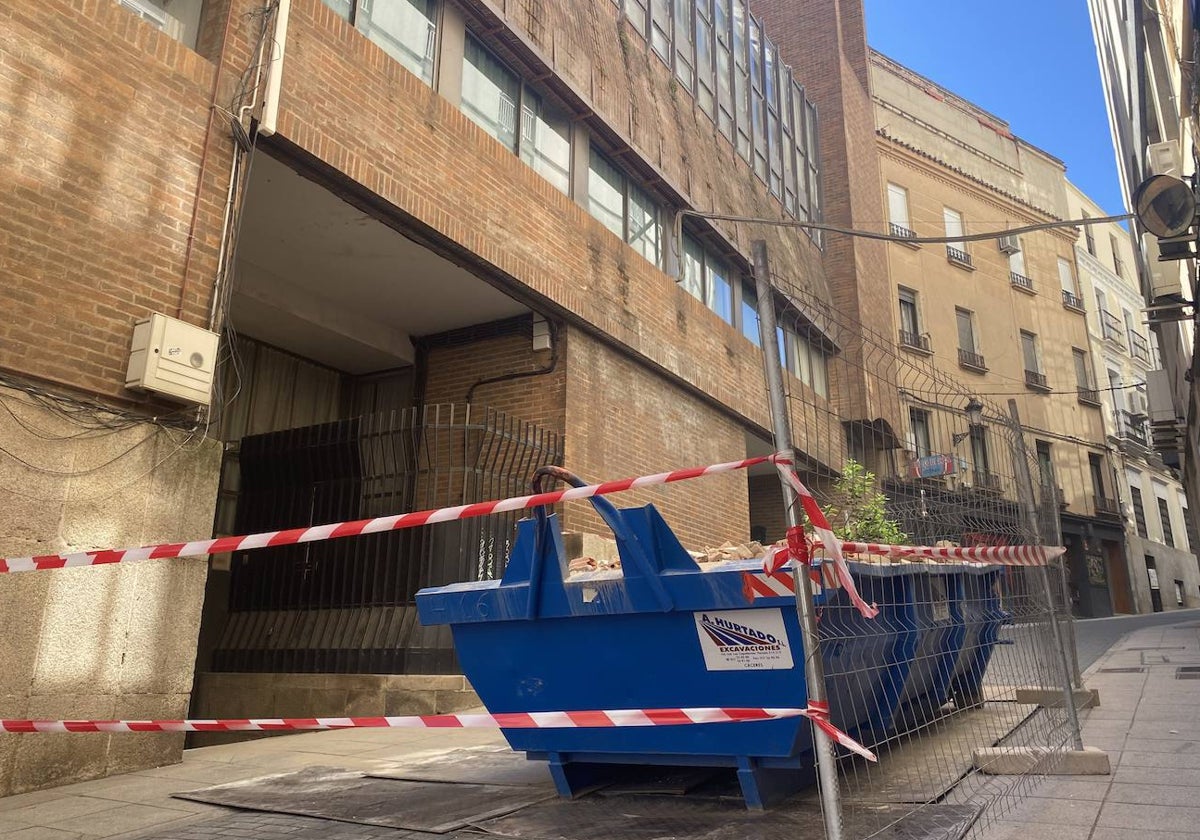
(172, 358)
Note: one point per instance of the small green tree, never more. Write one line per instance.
(858, 511)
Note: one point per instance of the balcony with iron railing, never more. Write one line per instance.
(915, 341)
(1132, 427)
(1106, 507)
(1072, 301)
(1021, 282)
(959, 257)
(901, 232)
(971, 360)
(989, 481)
(1139, 348)
(1111, 328)
(1036, 380)
(1088, 396)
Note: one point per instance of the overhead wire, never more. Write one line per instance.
(912, 240)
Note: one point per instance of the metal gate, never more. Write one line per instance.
(346, 606)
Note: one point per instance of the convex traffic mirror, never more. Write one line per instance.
(1165, 206)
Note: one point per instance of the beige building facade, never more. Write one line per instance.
(1007, 315)
(1149, 497)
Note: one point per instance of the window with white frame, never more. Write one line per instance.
(897, 197)
(1066, 278)
(1016, 261)
(954, 228)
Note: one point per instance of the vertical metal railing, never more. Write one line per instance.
(346, 605)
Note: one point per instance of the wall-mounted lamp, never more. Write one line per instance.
(974, 410)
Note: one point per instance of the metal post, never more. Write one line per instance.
(1025, 486)
(814, 669)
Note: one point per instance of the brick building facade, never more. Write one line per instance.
(422, 204)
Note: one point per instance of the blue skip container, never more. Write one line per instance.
(661, 633)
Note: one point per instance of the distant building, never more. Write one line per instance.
(1163, 573)
(1005, 316)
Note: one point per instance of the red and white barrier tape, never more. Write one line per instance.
(604, 718)
(1001, 555)
(821, 526)
(818, 713)
(316, 533)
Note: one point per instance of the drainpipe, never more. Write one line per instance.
(270, 112)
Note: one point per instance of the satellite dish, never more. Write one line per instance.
(1165, 206)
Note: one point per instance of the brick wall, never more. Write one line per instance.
(625, 421)
(349, 106)
(104, 128)
(454, 364)
(837, 79)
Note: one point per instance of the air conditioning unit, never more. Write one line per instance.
(1160, 397)
(155, 16)
(172, 358)
(1163, 158)
(1009, 243)
(1165, 276)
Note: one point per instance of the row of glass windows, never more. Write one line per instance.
(720, 55)
(708, 279)
(725, 36)
(718, 52)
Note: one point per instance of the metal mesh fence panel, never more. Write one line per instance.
(934, 679)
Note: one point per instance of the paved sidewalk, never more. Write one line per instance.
(1149, 722)
(130, 805)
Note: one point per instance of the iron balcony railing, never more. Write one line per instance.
(901, 232)
(1139, 348)
(1072, 301)
(1132, 427)
(1036, 380)
(957, 255)
(1088, 396)
(971, 359)
(1105, 506)
(1020, 281)
(984, 480)
(1112, 328)
(915, 341)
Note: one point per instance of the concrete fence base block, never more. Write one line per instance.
(1085, 698)
(1017, 761)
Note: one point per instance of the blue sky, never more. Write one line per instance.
(1030, 62)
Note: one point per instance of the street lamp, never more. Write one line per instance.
(974, 410)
